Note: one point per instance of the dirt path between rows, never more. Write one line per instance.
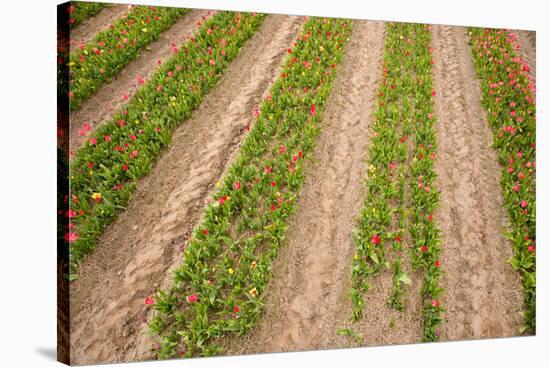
(101, 106)
(135, 254)
(483, 296)
(528, 45)
(86, 30)
(310, 280)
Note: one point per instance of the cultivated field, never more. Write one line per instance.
(245, 183)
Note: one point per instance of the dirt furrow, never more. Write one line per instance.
(135, 254)
(86, 30)
(528, 44)
(101, 106)
(308, 288)
(483, 296)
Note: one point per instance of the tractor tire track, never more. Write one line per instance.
(136, 253)
(101, 106)
(483, 294)
(308, 287)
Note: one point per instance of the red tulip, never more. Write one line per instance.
(149, 301)
(236, 309)
(523, 203)
(71, 237)
(237, 185)
(424, 248)
(107, 138)
(192, 298)
(71, 213)
(92, 141)
(435, 303)
(375, 239)
(437, 264)
(125, 167)
(313, 110)
(531, 248)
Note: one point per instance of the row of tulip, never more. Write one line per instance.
(94, 63)
(81, 11)
(508, 91)
(105, 170)
(401, 194)
(219, 287)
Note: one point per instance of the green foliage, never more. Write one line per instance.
(509, 99)
(348, 332)
(81, 11)
(124, 149)
(227, 263)
(401, 155)
(94, 63)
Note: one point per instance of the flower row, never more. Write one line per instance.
(80, 11)
(105, 170)
(96, 62)
(220, 285)
(509, 99)
(401, 176)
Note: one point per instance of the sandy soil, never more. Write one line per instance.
(528, 44)
(101, 106)
(135, 254)
(86, 30)
(483, 296)
(308, 289)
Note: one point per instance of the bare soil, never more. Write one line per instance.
(86, 30)
(307, 294)
(136, 253)
(483, 296)
(307, 298)
(528, 44)
(101, 106)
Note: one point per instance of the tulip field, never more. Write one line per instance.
(241, 183)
